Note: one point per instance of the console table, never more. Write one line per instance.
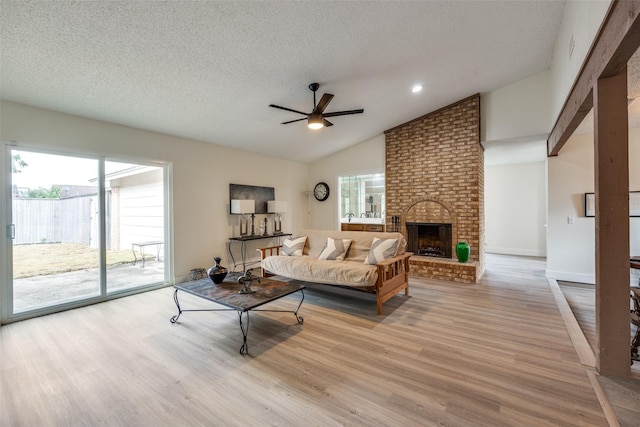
(243, 247)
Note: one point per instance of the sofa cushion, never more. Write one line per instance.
(293, 246)
(305, 268)
(335, 249)
(381, 249)
(360, 242)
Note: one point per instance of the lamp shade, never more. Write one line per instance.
(276, 206)
(243, 206)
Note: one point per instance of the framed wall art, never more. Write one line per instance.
(261, 195)
(590, 204)
(634, 203)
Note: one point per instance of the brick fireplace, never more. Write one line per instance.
(435, 184)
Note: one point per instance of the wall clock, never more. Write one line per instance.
(321, 191)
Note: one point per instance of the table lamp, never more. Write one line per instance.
(244, 207)
(277, 207)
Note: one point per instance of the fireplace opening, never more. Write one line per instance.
(429, 239)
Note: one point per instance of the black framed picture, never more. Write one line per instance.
(590, 204)
(252, 192)
(634, 203)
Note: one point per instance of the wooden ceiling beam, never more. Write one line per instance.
(617, 41)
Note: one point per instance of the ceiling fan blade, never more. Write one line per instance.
(343, 113)
(327, 123)
(292, 121)
(288, 109)
(324, 101)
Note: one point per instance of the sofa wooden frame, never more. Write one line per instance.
(393, 275)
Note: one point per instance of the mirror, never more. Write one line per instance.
(362, 196)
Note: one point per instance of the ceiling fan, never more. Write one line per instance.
(317, 118)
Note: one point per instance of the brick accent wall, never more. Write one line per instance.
(435, 173)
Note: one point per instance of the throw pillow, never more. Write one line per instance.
(293, 246)
(381, 249)
(335, 249)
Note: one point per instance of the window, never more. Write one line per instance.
(362, 196)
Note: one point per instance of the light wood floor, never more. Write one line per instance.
(492, 354)
(622, 394)
(581, 298)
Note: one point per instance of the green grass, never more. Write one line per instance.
(55, 258)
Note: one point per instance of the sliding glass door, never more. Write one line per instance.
(82, 229)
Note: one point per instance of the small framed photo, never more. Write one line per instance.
(590, 204)
(634, 203)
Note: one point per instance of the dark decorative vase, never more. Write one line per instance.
(462, 251)
(217, 273)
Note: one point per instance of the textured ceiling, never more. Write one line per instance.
(208, 70)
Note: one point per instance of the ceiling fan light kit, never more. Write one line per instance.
(316, 119)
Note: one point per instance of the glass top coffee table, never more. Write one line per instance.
(228, 293)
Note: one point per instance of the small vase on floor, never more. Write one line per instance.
(217, 273)
(463, 250)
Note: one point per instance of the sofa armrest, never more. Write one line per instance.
(269, 251)
(393, 276)
(395, 259)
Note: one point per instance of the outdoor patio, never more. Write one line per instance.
(39, 291)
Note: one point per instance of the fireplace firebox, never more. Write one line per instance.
(429, 239)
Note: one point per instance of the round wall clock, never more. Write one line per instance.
(321, 191)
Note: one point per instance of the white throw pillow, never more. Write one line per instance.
(381, 249)
(293, 246)
(335, 249)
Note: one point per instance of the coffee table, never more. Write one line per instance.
(227, 294)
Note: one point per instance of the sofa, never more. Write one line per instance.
(370, 262)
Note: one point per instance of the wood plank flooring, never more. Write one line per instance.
(492, 354)
(622, 394)
(581, 299)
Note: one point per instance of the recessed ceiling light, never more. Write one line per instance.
(416, 88)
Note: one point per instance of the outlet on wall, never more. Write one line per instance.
(571, 220)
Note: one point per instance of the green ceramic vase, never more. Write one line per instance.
(462, 251)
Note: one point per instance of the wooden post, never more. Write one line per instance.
(612, 224)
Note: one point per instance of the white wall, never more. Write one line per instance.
(366, 157)
(519, 110)
(571, 247)
(515, 209)
(580, 24)
(526, 110)
(516, 120)
(200, 173)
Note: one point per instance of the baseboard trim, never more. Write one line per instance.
(580, 343)
(571, 277)
(515, 251)
(607, 409)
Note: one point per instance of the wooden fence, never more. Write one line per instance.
(72, 220)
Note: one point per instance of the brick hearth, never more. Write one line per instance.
(435, 173)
